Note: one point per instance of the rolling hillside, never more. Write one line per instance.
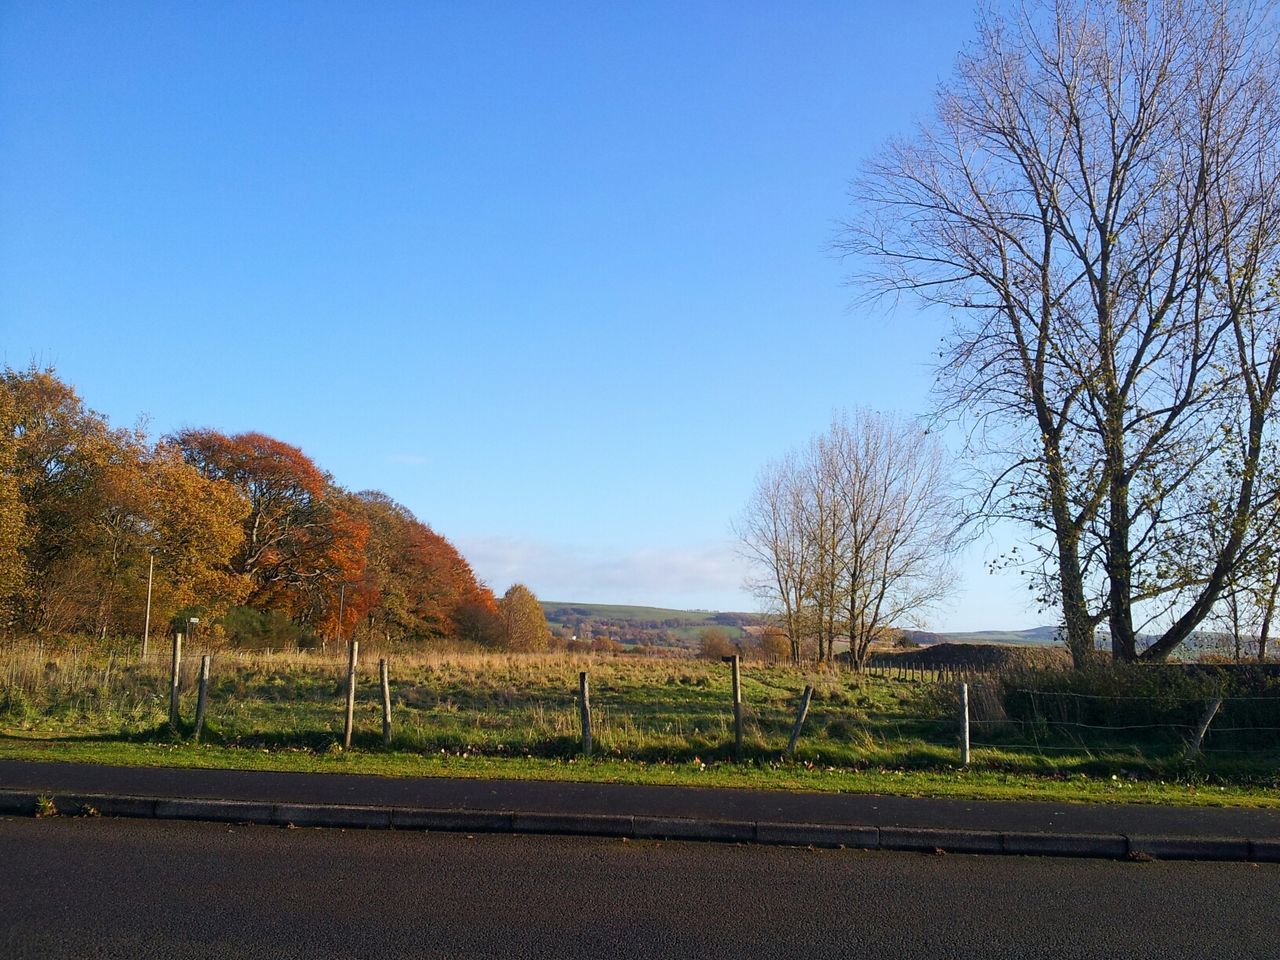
(1033, 637)
(662, 626)
(656, 626)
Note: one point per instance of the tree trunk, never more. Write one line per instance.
(1124, 642)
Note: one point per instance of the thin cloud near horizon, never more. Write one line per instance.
(706, 576)
(709, 575)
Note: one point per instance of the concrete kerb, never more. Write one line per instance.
(1101, 846)
(1264, 851)
(817, 835)
(14, 803)
(926, 840)
(331, 815)
(456, 821)
(91, 804)
(585, 824)
(217, 811)
(1190, 848)
(677, 828)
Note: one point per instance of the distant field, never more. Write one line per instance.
(683, 627)
(632, 625)
(1033, 637)
(607, 611)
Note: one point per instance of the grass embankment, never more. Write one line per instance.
(662, 721)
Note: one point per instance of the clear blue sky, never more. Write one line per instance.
(556, 276)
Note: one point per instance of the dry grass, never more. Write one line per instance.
(488, 703)
(521, 706)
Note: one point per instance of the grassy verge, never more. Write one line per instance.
(662, 722)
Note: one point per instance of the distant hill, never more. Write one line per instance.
(1033, 637)
(664, 626)
(654, 626)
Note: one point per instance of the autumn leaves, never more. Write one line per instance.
(240, 522)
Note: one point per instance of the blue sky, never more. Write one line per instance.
(556, 276)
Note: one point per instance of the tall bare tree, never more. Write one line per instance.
(850, 537)
(1095, 204)
(771, 530)
(896, 517)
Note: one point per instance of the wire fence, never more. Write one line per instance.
(894, 714)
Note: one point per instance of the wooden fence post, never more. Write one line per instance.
(202, 695)
(175, 667)
(384, 676)
(964, 724)
(800, 717)
(735, 662)
(584, 711)
(1193, 748)
(351, 694)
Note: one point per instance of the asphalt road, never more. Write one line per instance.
(642, 800)
(139, 889)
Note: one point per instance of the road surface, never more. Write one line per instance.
(788, 806)
(96, 887)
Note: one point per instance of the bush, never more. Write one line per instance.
(1137, 695)
(714, 644)
(260, 629)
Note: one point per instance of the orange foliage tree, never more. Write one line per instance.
(304, 541)
(91, 504)
(425, 589)
(230, 520)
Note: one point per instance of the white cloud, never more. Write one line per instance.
(697, 576)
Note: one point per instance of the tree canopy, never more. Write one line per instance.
(1094, 203)
(223, 522)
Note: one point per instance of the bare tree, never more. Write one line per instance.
(895, 516)
(1095, 203)
(771, 533)
(1247, 607)
(851, 536)
(822, 526)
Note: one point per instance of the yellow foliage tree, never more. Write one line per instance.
(524, 625)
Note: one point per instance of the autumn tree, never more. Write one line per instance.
(426, 590)
(58, 448)
(229, 520)
(92, 504)
(477, 619)
(1095, 204)
(524, 625)
(195, 527)
(13, 531)
(714, 644)
(152, 503)
(774, 645)
(304, 540)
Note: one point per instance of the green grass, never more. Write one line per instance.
(607, 617)
(609, 611)
(656, 721)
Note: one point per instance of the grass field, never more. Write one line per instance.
(659, 721)
(610, 618)
(613, 611)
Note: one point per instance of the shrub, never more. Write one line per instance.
(714, 644)
(262, 629)
(1142, 695)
